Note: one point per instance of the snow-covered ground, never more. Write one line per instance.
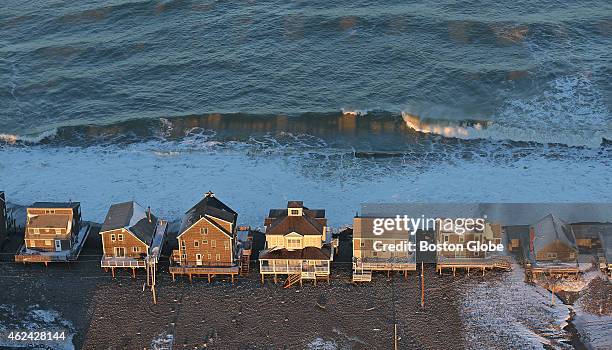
(34, 319)
(171, 179)
(508, 313)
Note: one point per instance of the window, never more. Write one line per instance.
(120, 236)
(204, 230)
(136, 249)
(461, 238)
(218, 257)
(362, 244)
(209, 256)
(196, 243)
(36, 231)
(32, 243)
(184, 256)
(113, 238)
(47, 242)
(551, 255)
(205, 241)
(445, 239)
(294, 243)
(295, 212)
(213, 243)
(183, 244)
(226, 245)
(58, 231)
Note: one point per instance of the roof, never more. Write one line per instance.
(295, 204)
(313, 213)
(504, 213)
(590, 230)
(308, 253)
(132, 217)
(303, 225)
(49, 221)
(311, 222)
(51, 205)
(211, 206)
(550, 229)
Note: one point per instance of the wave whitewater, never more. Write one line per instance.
(379, 129)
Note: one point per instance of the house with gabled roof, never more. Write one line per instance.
(552, 247)
(297, 244)
(131, 237)
(207, 241)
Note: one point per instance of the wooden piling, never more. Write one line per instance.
(422, 285)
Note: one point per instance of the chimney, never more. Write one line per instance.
(149, 213)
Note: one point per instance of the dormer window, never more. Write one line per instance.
(295, 212)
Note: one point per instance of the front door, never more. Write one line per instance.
(119, 252)
(58, 245)
(199, 259)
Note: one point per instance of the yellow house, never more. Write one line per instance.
(297, 244)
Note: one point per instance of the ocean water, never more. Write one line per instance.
(334, 103)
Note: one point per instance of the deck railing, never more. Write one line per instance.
(113, 261)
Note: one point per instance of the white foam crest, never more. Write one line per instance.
(354, 112)
(570, 112)
(32, 138)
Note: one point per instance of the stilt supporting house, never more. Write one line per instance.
(499, 263)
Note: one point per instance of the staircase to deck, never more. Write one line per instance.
(292, 279)
(245, 264)
(506, 265)
(362, 276)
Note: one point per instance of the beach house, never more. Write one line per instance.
(474, 248)
(297, 245)
(207, 241)
(132, 237)
(53, 232)
(52, 227)
(552, 248)
(367, 259)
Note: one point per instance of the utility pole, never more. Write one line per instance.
(422, 285)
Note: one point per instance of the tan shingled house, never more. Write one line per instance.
(207, 241)
(131, 237)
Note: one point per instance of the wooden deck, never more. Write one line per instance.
(385, 266)
(473, 264)
(25, 255)
(563, 271)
